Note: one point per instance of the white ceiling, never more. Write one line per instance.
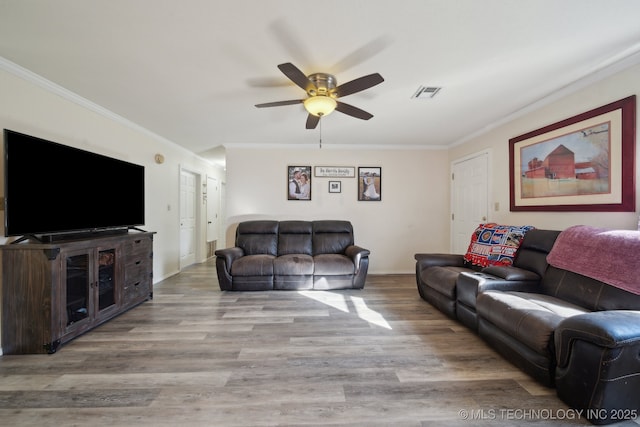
(191, 71)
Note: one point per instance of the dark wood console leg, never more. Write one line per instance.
(52, 347)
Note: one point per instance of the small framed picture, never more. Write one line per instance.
(335, 186)
(299, 183)
(370, 184)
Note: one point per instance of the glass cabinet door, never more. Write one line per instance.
(106, 278)
(78, 286)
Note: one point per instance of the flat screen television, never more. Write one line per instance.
(51, 189)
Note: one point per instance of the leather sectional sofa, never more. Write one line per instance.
(292, 255)
(437, 275)
(567, 330)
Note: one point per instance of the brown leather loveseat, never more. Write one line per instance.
(292, 255)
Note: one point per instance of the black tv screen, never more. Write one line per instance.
(52, 188)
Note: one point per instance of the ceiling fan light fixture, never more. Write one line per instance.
(320, 105)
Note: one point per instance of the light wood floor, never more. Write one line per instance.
(195, 356)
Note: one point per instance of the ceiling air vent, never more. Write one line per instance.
(426, 92)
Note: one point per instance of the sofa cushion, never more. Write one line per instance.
(470, 285)
(258, 237)
(586, 291)
(331, 237)
(253, 265)
(332, 265)
(610, 256)
(443, 278)
(534, 248)
(528, 317)
(293, 264)
(294, 237)
(494, 244)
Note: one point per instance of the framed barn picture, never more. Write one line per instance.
(584, 163)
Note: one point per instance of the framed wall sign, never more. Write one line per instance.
(335, 186)
(298, 182)
(334, 171)
(370, 184)
(584, 163)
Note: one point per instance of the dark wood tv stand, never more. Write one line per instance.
(54, 292)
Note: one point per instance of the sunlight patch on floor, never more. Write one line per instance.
(343, 302)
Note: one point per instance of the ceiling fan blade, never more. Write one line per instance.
(290, 37)
(363, 53)
(312, 121)
(280, 103)
(295, 75)
(267, 82)
(352, 111)
(358, 85)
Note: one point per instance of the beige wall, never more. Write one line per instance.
(610, 89)
(411, 217)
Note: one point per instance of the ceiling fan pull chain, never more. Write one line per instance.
(320, 132)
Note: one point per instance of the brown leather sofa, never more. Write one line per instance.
(528, 269)
(292, 255)
(565, 329)
(441, 277)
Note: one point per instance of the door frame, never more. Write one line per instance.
(489, 153)
(198, 214)
(212, 195)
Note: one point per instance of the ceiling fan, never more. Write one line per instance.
(322, 91)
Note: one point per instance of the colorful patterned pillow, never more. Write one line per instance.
(494, 244)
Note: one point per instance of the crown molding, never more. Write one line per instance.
(612, 65)
(51, 87)
(329, 146)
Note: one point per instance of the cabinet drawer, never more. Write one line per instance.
(138, 248)
(137, 272)
(136, 291)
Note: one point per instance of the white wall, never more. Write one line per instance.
(33, 108)
(612, 88)
(411, 217)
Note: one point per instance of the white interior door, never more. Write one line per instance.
(213, 209)
(469, 199)
(187, 218)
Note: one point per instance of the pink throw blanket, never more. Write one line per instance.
(611, 256)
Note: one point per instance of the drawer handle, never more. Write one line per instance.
(138, 262)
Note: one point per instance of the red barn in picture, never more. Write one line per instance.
(585, 170)
(560, 163)
(536, 169)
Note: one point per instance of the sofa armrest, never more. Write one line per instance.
(608, 329)
(224, 259)
(598, 370)
(360, 258)
(511, 273)
(469, 285)
(229, 255)
(424, 261)
(356, 253)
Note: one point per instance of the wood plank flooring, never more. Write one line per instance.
(196, 356)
